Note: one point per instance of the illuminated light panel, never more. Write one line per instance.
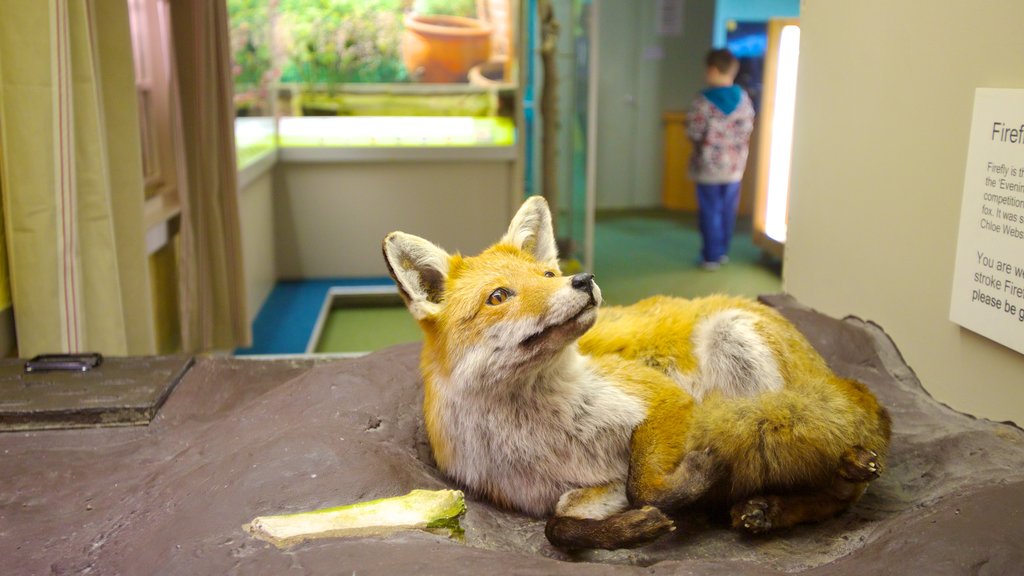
(250, 131)
(396, 131)
(253, 137)
(781, 150)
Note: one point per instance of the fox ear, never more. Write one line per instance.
(420, 268)
(532, 232)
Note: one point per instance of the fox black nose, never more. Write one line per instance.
(583, 281)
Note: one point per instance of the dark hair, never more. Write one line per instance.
(723, 61)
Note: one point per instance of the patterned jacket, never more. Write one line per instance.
(719, 123)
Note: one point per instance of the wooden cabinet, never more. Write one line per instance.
(677, 190)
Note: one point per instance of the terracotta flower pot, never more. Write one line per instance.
(490, 74)
(443, 48)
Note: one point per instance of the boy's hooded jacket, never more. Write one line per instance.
(719, 123)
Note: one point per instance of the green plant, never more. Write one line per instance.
(251, 53)
(335, 41)
(466, 8)
(252, 60)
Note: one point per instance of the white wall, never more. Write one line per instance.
(256, 205)
(330, 217)
(682, 69)
(326, 219)
(885, 96)
(641, 75)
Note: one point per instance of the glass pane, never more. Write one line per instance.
(252, 62)
(375, 57)
(574, 76)
(580, 119)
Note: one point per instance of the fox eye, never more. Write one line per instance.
(549, 274)
(498, 296)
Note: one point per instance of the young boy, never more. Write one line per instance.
(719, 122)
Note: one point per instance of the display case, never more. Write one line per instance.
(375, 58)
(386, 114)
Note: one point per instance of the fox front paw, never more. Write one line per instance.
(859, 465)
(628, 529)
(753, 516)
(643, 526)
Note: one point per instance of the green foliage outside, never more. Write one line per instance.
(251, 50)
(328, 42)
(324, 42)
(466, 8)
(315, 42)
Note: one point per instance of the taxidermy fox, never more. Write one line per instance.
(602, 420)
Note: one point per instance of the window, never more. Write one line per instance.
(155, 85)
(373, 57)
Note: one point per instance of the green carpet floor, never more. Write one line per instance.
(640, 254)
(637, 254)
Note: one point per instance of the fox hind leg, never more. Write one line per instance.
(692, 478)
(860, 465)
(600, 517)
(759, 514)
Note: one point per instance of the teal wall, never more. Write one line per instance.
(752, 10)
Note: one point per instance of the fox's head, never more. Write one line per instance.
(507, 311)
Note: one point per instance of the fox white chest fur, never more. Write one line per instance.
(527, 440)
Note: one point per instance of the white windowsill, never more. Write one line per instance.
(256, 168)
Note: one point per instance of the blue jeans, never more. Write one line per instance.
(717, 204)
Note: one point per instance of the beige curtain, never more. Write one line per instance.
(72, 178)
(213, 299)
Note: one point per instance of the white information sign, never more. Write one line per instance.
(988, 282)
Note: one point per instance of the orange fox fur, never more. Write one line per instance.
(538, 402)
